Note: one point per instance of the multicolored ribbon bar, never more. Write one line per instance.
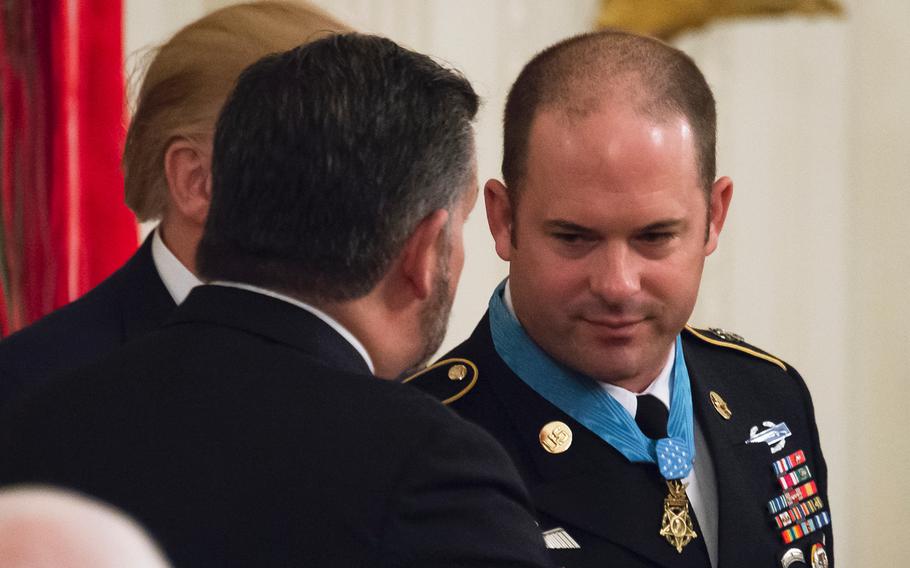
(795, 477)
(787, 499)
(806, 527)
(784, 465)
(799, 512)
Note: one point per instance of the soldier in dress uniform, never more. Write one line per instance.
(643, 441)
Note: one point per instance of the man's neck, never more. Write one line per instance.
(175, 276)
(375, 326)
(181, 239)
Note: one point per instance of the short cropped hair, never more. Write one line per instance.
(325, 160)
(580, 73)
(189, 79)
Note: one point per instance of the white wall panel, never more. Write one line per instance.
(878, 417)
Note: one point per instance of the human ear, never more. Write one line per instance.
(420, 257)
(719, 204)
(499, 217)
(187, 168)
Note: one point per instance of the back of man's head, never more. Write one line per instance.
(190, 76)
(326, 158)
(581, 74)
(42, 527)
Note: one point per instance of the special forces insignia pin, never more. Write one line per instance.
(727, 335)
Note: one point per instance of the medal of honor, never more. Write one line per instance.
(591, 406)
(676, 525)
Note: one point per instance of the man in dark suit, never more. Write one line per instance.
(166, 163)
(641, 440)
(249, 430)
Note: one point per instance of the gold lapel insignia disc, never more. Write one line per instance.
(676, 525)
(457, 372)
(555, 437)
(720, 405)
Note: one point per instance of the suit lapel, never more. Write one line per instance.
(590, 485)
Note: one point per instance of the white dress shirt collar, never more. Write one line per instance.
(177, 278)
(329, 320)
(660, 388)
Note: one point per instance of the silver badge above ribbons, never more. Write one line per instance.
(775, 435)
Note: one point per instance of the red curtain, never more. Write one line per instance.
(63, 224)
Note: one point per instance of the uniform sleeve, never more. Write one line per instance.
(821, 467)
(459, 502)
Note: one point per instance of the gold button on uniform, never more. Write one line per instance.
(457, 372)
(720, 405)
(556, 437)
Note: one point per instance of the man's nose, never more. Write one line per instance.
(615, 274)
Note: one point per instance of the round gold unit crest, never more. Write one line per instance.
(457, 372)
(555, 437)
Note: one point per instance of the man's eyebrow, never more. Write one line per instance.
(563, 225)
(663, 225)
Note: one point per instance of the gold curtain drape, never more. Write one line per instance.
(667, 18)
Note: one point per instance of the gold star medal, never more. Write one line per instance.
(676, 525)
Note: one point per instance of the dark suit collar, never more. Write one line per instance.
(145, 301)
(591, 485)
(272, 319)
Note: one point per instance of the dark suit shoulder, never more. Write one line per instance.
(131, 301)
(728, 342)
(62, 340)
(93, 313)
(366, 472)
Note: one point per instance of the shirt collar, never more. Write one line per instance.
(659, 388)
(177, 278)
(329, 320)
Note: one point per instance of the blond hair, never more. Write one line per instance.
(190, 77)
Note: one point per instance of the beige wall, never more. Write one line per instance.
(813, 265)
(878, 414)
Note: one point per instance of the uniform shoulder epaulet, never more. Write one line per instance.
(730, 340)
(446, 380)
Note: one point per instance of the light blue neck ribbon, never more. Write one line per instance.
(591, 405)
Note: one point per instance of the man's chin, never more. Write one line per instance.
(614, 365)
(614, 376)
